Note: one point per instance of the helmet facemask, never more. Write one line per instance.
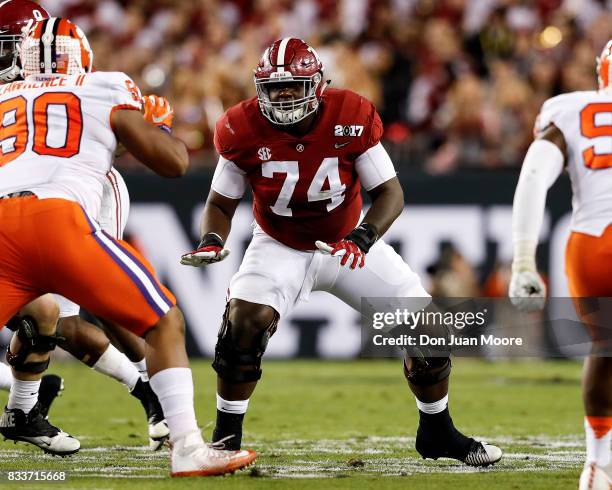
(9, 58)
(286, 112)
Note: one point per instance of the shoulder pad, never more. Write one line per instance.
(362, 112)
(123, 89)
(232, 131)
(556, 108)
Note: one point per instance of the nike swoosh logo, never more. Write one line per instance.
(341, 145)
(161, 118)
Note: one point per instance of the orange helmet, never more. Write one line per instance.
(604, 67)
(55, 45)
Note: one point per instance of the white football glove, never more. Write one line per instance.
(210, 250)
(527, 290)
(204, 256)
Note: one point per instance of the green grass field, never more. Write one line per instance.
(328, 425)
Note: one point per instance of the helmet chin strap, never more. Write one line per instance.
(324, 85)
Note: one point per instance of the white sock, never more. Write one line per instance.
(434, 407)
(598, 448)
(6, 377)
(232, 406)
(23, 395)
(142, 369)
(174, 388)
(116, 365)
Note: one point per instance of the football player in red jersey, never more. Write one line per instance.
(306, 151)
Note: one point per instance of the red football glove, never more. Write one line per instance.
(353, 247)
(209, 251)
(347, 249)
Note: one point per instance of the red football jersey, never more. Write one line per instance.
(304, 188)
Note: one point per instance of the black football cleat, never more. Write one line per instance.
(158, 428)
(437, 437)
(35, 429)
(482, 454)
(51, 386)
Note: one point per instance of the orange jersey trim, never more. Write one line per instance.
(120, 107)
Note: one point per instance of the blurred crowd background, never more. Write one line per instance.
(458, 83)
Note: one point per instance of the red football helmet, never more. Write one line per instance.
(15, 15)
(55, 46)
(604, 67)
(289, 60)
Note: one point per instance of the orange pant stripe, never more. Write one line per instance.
(133, 267)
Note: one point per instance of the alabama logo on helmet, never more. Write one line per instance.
(55, 45)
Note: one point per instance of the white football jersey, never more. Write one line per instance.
(56, 137)
(585, 119)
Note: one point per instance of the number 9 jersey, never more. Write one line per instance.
(585, 119)
(305, 188)
(56, 136)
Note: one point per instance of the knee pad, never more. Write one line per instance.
(26, 330)
(240, 364)
(427, 371)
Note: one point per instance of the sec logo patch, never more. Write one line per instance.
(264, 153)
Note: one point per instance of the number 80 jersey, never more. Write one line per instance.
(305, 188)
(585, 119)
(56, 136)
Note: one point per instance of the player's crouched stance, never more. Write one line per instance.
(305, 152)
(51, 187)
